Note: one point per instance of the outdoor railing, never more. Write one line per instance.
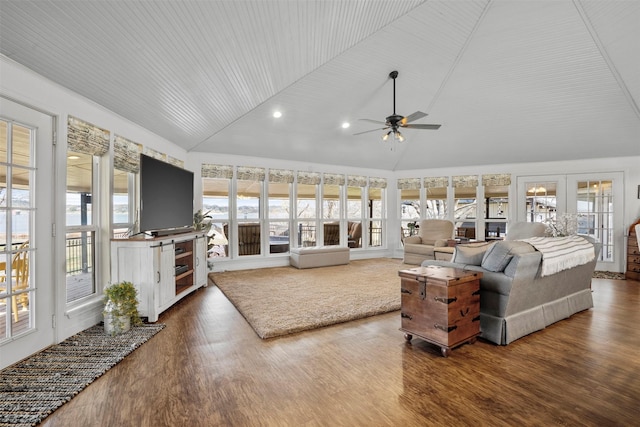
(79, 254)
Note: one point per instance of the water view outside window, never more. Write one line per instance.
(80, 249)
(16, 218)
(123, 203)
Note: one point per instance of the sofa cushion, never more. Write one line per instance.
(498, 255)
(471, 254)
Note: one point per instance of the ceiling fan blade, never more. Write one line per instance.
(415, 116)
(420, 126)
(372, 130)
(378, 122)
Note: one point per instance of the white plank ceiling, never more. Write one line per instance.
(510, 81)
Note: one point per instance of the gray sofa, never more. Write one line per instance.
(515, 299)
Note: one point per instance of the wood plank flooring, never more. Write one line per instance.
(209, 368)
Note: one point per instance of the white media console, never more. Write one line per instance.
(163, 269)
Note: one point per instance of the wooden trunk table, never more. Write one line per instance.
(441, 305)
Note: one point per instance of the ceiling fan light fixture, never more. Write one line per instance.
(399, 136)
(386, 136)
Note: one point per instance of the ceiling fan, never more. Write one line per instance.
(394, 122)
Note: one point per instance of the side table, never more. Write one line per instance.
(440, 305)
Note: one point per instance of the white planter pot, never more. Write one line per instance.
(115, 325)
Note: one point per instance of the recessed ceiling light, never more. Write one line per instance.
(277, 114)
(345, 125)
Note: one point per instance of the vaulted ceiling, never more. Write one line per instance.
(510, 81)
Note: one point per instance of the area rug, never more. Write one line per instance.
(35, 387)
(608, 275)
(284, 300)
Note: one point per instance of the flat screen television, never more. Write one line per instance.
(166, 197)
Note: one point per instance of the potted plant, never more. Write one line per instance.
(120, 308)
(202, 221)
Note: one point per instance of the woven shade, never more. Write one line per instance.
(175, 162)
(281, 176)
(496, 179)
(126, 154)
(377, 182)
(334, 179)
(83, 137)
(356, 181)
(216, 171)
(247, 173)
(155, 154)
(311, 178)
(465, 181)
(436, 181)
(409, 184)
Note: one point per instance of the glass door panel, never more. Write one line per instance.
(26, 285)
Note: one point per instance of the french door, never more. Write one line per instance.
(26, 218)
(595, 199)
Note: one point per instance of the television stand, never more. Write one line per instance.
(163, 269)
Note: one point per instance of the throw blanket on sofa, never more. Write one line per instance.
(562, 253)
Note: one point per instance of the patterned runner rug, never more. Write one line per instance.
(35, 387)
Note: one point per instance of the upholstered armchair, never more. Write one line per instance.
(432, 233)
(248, 238)
(355, 234)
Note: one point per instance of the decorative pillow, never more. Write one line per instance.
(470, 254)
(498, 256)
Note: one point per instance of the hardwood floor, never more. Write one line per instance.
(209, 368)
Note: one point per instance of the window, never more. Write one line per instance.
(495, 206)
(331, 209)
(376, 212)
(123, 203)
(465, 207)
(355, 210)
(541, 201)
(279, 210)
(410, 212)
(17, 212)
(306, 208)
(436, 197)
(595, 206)
(248, 210)
(86, 144)
(80, 240)
(215, 203)
(126, 164)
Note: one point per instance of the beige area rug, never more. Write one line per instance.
(283, 300)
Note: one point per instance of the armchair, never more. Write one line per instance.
(248, 238)
(355, 234)
(432, 233)
(525, 230)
